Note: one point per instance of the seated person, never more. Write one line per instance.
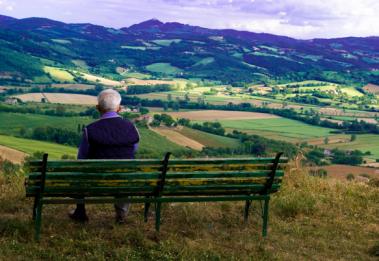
(110, 137)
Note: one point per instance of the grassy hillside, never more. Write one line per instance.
(364, 142)
(11, 123)
(284, 126)
(310, 219)
(208, 139)
(156, 145)
(55, 151)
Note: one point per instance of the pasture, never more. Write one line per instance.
(291, 128)
(12, 123)
(164, 68)
(215, 115)
(55, 151)
(63, 98)
(59, 74)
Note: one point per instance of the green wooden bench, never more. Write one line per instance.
(153, 181)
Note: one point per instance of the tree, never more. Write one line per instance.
(353, 137)
(169, 96)
(326, 140)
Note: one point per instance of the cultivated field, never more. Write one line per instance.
(288, 127)
(135, 81)
(214, 115)
(55, 151)
(340, 171)
(363, 142)
(59, 74)
(102, 80)
(153, 144)
(178, 138)
(11, 123)
(371, 88)
(64, 98)
(165, 68)
(73, 86)
(12, 155)
(208, 139)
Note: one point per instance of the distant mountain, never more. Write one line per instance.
(180, 50)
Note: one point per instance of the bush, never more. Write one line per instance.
(350, 177)
(295, 203)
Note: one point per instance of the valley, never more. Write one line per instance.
(220, 90)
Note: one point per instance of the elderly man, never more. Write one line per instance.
(110, 137)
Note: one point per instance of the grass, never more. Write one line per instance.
(164, 68)
(154, 144)
(208, 139)
(55, 151)
(166, 42)
(310, 219)
(205, 61)
(364, 142)
(98, 79)
(284, 126)
(11, 123)
(59, 74)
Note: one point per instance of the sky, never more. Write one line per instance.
(303, 19)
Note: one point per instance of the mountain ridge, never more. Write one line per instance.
(226, 55)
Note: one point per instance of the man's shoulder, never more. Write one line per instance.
(111, 121)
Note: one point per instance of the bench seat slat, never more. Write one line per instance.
(152, 182)
(154, 175)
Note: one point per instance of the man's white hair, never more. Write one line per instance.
(109, 100)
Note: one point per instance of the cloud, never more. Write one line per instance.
(6, 5)
(295, 18)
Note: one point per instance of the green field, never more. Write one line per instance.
(282, 126)
(364, 142)
(152, 144)
(11, 123)
(166, 42)
(205, 61)
(210, 140)
(55, 151)
(165, 68)
(59, 74)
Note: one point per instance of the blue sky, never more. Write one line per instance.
(303, 19)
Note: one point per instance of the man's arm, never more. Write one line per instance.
(84, 146)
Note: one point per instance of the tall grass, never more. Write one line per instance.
(310, 219)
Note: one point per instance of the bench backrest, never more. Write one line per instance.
(223, 176)
(75, 178)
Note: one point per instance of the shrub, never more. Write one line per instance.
(350, 177)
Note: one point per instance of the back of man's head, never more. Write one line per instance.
(108, 100)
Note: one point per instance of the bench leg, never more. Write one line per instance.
(35, 208)
(157, 215)
(265, 217)
(247, 207)
(146, 211)
(38, 220)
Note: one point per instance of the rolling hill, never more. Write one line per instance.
(172, 49)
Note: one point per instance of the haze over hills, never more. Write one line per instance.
(179, 50)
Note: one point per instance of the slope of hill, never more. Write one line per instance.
(231, 56)
(310, 219)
